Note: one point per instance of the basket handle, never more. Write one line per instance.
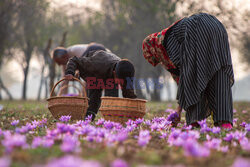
(74, 78)
(67, 86)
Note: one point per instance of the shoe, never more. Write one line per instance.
(195, 125)
(227, 126)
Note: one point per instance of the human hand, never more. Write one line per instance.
(69, 77)
(77, 75)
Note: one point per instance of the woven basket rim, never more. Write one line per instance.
(66, 97)
(121, 98)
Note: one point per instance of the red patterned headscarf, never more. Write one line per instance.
(154, 51)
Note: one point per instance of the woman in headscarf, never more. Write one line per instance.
(195, 50)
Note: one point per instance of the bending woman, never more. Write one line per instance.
(195, 50)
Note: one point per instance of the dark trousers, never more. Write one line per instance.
(94, 96)
(215, 100)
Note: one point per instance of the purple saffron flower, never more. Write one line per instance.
(139, 121)
(172, 117)
(121, 136)
(216, 130)
(229, 137)
(243, 124)
(241, 162)
(244, 111)
(247, 127)
(12, 141)
(108, 124)
(147, 122)
(203, 123)
(213, 144)
(144, 138)
(119, 163)
(42, 123)
(48, 143)
(235, 120)
(100, 122)
(154, 126)
(5, 161)
(65, 128)
(37, 141)
(70, 144)
(65, 118)
(164, 135)
(238, 135)
(193, 149)
(72, 161)
(245, 144)
(15, 122)
(170, 110)
(223, 149)
(234, 110)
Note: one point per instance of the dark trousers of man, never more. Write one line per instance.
(95, 94)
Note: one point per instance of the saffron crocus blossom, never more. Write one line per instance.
(108, 124)
(172, 117)
(100, 121)
(65, 128)
(241, 162)
(5, 161)
(216, 130)
(245, 144)
(213, 144)
(223, 149)
(244, 111)
(14, 122)
(229, 137)
(203, 123)
(70, 144)
(139, 121)
(121, 136)
(170, 110)
(194, 149)
(235, 120)
(11, 141)
(65, 118)
(147, 122)
(243, 124)
(247, 127)
(144, 138)
(73, 161)
(42, 142)
(119, 163)
(37, 141)
(42, 123)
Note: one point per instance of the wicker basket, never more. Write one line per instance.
(122, 109)
(75, 106)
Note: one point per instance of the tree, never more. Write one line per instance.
(122, 25)
(7, 7)
(30, 17)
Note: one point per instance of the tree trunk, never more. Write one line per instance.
(2, 86)
(47, 60)
(25, 72)
(169, 93)
(156, 95)
(52, 73)
(41, 84)
(46, 87)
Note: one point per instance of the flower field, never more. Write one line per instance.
(30, 136)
